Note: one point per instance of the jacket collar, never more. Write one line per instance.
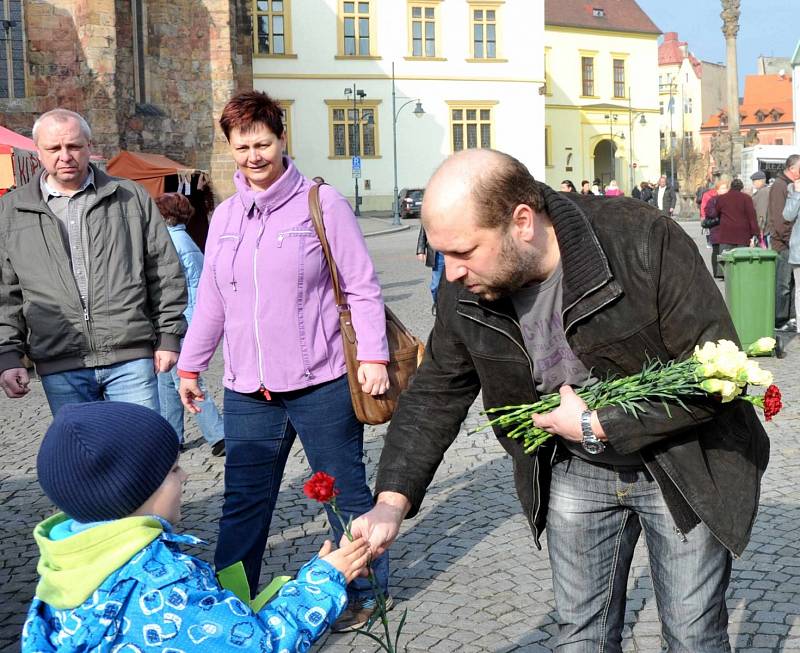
(29, 197)
(587, 273)
(266, 201)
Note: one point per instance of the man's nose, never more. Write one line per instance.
(453, 271)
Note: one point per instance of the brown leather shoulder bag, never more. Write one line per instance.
(405, 349)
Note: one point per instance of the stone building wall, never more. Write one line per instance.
(80, 55)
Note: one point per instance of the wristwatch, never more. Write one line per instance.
(590, 443)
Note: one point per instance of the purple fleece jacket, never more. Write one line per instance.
(266, 289)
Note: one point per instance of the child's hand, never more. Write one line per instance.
(351, 558)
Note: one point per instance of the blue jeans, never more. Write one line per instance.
(784, 289)
(595, 517)
(436, 274)
(132, 381)
(208, 419)
(259, 434)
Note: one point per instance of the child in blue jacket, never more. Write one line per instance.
(113, 577)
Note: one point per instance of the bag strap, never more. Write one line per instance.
(319, 225)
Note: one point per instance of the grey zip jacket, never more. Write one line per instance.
(137, 292)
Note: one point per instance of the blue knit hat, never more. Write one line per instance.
(103, 460)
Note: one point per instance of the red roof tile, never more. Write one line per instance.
(768, 94)
(616, 15)
(671, 51)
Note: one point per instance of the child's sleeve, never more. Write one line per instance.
(217, 620)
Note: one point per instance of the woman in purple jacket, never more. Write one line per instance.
(266, 290)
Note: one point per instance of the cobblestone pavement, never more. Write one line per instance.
(466, 568)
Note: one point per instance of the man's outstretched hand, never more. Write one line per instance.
(381, 525)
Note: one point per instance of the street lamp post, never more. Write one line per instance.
(612, 118)
(358, 95)
(631, 120)
(671, 143)
(418, 112)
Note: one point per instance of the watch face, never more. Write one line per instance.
(593, 447)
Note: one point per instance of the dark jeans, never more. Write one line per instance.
(596, 515)
(716, 268)
(784, 289)
(258, 438)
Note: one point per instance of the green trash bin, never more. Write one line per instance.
(750, 291)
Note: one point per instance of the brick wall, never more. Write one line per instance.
(80, 55)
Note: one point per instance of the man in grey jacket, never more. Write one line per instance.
(91, 288)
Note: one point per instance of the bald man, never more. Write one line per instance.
(544, 290)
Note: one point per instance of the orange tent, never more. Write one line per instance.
(147, 169)
(159, 175)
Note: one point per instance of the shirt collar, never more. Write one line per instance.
(48, 191)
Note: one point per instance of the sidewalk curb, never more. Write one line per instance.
(393, 230)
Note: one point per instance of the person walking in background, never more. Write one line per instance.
(708, 210)
(177, 211)
(432, 259)
(266, 288)
(780, 231)
(737, 218)
(597, 187)
(612, 190)
(791, 211)
(663, 197)
(760, 197)
(568, 187)
(91, 288)
(586, 188)
(646, 192)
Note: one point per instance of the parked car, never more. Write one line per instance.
(410, 202)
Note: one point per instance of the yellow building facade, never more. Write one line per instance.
(601, 98)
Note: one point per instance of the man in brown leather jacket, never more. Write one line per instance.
(542, 288)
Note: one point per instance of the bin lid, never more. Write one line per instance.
(747, 254)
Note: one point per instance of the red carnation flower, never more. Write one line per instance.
(320, 487)
(772, 402)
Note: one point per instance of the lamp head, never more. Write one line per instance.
(642, 121)
(418, 110)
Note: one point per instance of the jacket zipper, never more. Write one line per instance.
(588, 292)
(537, 505)
(296, 232)
(262, 388)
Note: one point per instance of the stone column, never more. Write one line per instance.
(730, 28)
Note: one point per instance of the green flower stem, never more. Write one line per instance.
(657, 382)
(380, 599)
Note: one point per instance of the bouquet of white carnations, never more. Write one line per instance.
(718, 369)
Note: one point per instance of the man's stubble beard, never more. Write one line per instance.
(516, 268)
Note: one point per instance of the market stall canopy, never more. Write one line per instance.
(8, 137)
(18, 159)
(147, 169)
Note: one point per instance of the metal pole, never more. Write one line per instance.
(630, 131)
(395, 203)
(671, 144)
(357, 145)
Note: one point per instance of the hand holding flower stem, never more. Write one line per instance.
(322, 487)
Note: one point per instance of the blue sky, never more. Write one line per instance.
(765, 28)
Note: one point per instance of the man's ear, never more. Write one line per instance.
(523, 220)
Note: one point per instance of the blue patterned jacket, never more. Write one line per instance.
(162, 599)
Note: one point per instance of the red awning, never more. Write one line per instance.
(8, 137)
